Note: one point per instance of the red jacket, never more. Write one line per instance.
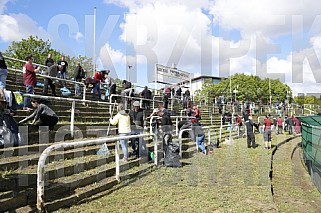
(238, 121)
(98, 77)
(197, 113)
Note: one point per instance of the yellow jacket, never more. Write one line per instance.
(123, 121)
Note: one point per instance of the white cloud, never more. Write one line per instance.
(270, 17)
(134, 5)
(116, 56)
(181, 32)
(173, 32)
(18, 26)
(14, 27)
(3, 5)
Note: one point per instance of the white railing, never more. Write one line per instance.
(44, 155)
(183, 110)
(73, 106)
(181, 117)
(59, 79)
(188, 130)
(156, 96)
(176, 124)
(136, 98)
(23, 61)
(181, 140)
(151, 122)
(221, 129)
(311, 112)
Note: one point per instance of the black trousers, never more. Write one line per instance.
(49, 82)
(46, 120)
(250, 139)
(112, 90)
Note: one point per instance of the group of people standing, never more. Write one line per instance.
(178, 95)
(132, 123)
(290, 124)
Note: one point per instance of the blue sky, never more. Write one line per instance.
(269, 38)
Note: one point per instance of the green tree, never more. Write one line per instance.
(247, 87)
(33, 46)
(39, 49)
(85, 62)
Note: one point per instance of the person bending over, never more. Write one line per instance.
(42, 116)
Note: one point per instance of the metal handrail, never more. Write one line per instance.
(183, 110)
(310, 111)
(176, 119)
(73, 106)
(44, 155)
(23, 61)
(55, 78)
(65, 99)
(180, 139)
(124, 96)
(150, 123)
(185, 130)
(222, 126)
(156, 96)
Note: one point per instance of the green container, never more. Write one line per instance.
(152, 155)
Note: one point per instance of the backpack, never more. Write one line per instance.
(19, 98)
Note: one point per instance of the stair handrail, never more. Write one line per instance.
(137, 98)
(76, 144)
(189, 129)
(73, 105)
(59, 79)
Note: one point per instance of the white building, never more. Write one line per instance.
(197, 82)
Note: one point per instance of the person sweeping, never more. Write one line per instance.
(123, 121)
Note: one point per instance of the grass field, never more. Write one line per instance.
(232, 179)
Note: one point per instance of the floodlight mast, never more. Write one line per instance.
(94, 51)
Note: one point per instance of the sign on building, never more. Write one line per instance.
(170, 75)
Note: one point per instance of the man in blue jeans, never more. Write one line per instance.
(30, 80)
(199, 135)
(137, 126)
(3, 76)
(124, 129)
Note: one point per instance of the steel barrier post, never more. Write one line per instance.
(72, 118)
(117, 161)
(44, 155)
(84, 92)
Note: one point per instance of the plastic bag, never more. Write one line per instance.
(65, 91)
(103, 151)
(172, 157)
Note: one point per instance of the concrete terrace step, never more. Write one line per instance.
(76, 188)
(69, 170)
(31, 154)
(75, 174)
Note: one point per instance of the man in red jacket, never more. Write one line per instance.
(30, 80)
(98, 77)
